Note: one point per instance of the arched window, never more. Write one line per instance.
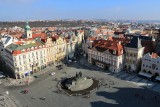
(156, 74)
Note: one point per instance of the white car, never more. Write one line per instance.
(70, 60)
(2, 76)
(53, 73)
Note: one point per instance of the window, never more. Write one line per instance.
(24, 56)
(156, 68)
(146, 65)
(17, 69)
(23, 50)
(32, 54)
(14, 58)
(114, 52)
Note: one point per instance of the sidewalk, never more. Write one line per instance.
(6, 101)
(20, 82)
(29, 79)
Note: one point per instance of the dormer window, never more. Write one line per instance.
(114, 52)
(32, 48)
(28, 49)
(23, 50)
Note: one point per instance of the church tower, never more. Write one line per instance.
(28, 31)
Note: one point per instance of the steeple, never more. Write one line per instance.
(27, 27)
(28, 31)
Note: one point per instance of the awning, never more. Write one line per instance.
(145, 74)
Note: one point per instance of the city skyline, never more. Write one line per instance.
(13, 10)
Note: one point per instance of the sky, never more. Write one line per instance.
(14, 10)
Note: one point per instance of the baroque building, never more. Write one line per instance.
(106, 54)
(34, 52)
(25, 58)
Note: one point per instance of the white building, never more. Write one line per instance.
(25, 58)
(150, 66)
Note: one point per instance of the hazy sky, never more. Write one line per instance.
(79, 9)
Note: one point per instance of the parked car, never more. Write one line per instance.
(25, 91)
(35, 76)
(43, 98)
(2, 76)
(53, 73)
(70, 60)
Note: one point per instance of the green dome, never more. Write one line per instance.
(27, 27)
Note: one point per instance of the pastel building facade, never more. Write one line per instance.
(25, 58)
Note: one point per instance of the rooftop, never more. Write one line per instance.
(23, 46)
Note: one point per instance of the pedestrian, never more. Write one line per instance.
(142, 97)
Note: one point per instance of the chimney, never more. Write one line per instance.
(119, 42)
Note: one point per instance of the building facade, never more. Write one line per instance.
(150, 66)
(133, 54)
(25, 58)
(106, 54)
(33, 53)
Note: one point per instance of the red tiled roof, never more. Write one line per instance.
(16, 52)
(102, 45)
(19, 42)
(39, 35)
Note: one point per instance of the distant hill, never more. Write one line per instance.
(46, 23)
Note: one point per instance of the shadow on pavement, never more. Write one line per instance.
(128, 97)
